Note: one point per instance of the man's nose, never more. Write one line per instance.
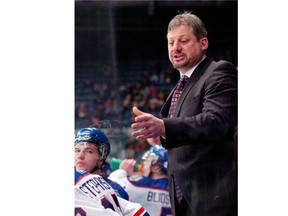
(80, 154)
(176, 46)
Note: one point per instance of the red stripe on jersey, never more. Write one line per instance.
(139, 212)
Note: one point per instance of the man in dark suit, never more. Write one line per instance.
(198, 127)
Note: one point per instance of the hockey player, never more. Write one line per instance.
(149, 188)
(95, 197)
(92, 148)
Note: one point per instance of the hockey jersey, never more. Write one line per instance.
(120, 191)
(93, 192)
(152, 194)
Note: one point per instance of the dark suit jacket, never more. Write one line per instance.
(200, 140)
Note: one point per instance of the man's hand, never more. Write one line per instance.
(146, 125)
(128, 166)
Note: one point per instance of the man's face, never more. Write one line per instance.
(184, 50)
(149, 160)
(86, 156)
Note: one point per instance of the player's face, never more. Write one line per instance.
(146, 167)
(86, 156)
(184, 50)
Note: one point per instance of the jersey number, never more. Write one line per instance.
(79, 212)
(166, 212)
(107, 204)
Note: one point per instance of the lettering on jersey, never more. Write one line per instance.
(158, 197)
(94, 186)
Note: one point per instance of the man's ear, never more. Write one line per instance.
(100, 163)
(204, 43)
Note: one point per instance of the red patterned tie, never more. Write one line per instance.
(176, 95)
(178, 192)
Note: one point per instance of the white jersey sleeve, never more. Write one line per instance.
(152, 194)
(119, 176)
(94, 188)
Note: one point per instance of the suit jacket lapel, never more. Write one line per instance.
(165, 108)
(200, 69)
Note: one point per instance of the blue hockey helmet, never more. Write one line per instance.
(97, 137)
(159, 156)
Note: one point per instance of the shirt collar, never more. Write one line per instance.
(190, 71)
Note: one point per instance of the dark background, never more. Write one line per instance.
(131, 30)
